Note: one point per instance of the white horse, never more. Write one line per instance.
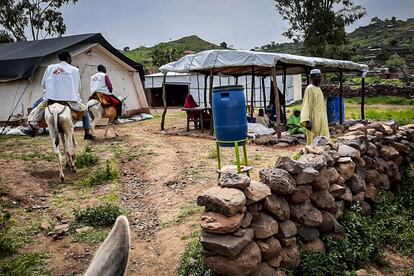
(112, 256)
(58, 118)
(98, 111)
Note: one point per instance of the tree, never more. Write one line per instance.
(5, 37)
(163, 54)
(317, 24)
(41, 18)
(223, 45)
(375, 20)
(396, 62)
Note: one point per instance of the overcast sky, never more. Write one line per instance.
(241, 23)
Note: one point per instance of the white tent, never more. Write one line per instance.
(18, 95)
(195, 83)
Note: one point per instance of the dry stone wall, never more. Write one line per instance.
(256, 228)
(370, 90)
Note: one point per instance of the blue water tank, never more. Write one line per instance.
(333, 109)
(229, 111)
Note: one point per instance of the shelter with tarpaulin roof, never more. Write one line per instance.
(239, 63)
(22, 65)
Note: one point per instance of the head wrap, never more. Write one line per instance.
(315, 72)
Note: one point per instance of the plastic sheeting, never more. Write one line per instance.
(238, 62)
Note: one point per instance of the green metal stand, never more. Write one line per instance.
(236, 149)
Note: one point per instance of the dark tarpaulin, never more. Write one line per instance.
(20, 60)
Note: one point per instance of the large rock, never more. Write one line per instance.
(290, 257)
(359, 127)
(372, 150)
(270, 248)
(337, 190)
(306, 214)
(307, 233)
(301, 194)
(326, 176)
(338, 210)
(286, 163)
(381, 165)
(240, 181)
(245, 263)
(388, 153)
(225, 245)
(346, 170)
(328, 222)
(371, 192)
(306, 176)
(356, 184)
(347, 151)
(314, 149)
(263, 269)
(359, 197)
(384, 182)
(278, 206)
(322, 199)
(401, 148)
(226, 201)
(372, 176)
(347, 197)
(314, 247)
(247, 220)
(257, 191)
(287, 242)
(279, 181)
(377, 126)
(255, 208)
(264, 226)
(287, 229)
(217, 223)
(314, 161)
(275, 261)
(320, 141)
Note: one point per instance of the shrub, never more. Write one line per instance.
(108, 173)
(103, 215)
(192, 261)
(87, 158)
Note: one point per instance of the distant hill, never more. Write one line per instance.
(191, 43)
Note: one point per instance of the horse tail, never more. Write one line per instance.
(55, 122)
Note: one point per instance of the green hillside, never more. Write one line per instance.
(186, 44)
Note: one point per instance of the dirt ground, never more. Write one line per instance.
(161, 177)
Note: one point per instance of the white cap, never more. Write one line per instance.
(315, 72)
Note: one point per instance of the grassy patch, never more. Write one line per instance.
(86, 158)
(388, 100)
(94, 236)
(27, 264)
(31, 156)
(108, 173)
(184, 213)
(99, 216)
(110, 198)
(192, 262)
(402, 116)
(212, 154)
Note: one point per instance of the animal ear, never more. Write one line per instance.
(112, 256)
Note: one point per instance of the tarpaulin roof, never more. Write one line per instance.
(19, 60)
(238, 62)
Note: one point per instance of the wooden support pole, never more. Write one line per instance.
(211, 102)
(205, 90)
(236, 81)
(198, 90)
(264, 92)
(341, 116)
(363, 96)
(164, 100)
(277, 102)
(284, 94)
(252, 97)
(307, 81)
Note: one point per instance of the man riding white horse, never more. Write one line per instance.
(62, 84)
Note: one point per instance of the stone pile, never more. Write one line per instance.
(254, 228)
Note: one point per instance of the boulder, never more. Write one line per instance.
(377, 126)
(337, 190)
(225, 245)
(264, 226)
(359, 127)
(245, 263)
(372, 150)
(359, 197)
(270, 248)
(347, 197)
(320, 141)
(307, 233)
(371, 131)
(288, 164)
(277, 206)
(226, 201)
(263, 269)
(306, 176)
(387, 130)
(257, 191)
(287, 229)
(366, 209)
(371, 192)
(314, 149)
(315, 247)
(388, 153)
(314, 161)
(328, 222)
(247, 220)
(344, 160)
(301, 194)
(401, 148)
(338, 210)
(306, 214)
(279, 181)
(290, 257)
(275, 261)
(322, 199)
(346, 170)
(356, 184)
(218, 223)
(287, 242)
(384, 182)
(372, 176)
(254, 209)
(347, 151)
(240, 181)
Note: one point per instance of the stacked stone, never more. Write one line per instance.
(253, 228)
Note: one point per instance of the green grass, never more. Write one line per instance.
(94, 236)
(385, 100)
(401, 116)
(192, 262)
(26, 264)
(185, 212)
(99, 216)
(87, 158)
(108, 173)
(30, 156)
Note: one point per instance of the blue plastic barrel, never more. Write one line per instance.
(333, 109)
(229, 111)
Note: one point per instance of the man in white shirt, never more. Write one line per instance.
(62, 84)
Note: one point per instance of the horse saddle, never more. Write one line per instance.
(77, 115)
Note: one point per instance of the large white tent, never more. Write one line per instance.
(195, 83)
(20, 89)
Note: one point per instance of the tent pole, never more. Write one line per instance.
(205, 90)
(277, 102)
(198, 89)
(264, 92)
(236, 81)
(307, 81)
(164, 100)
(252, 97)
(284, 94)
(363, 96)
(340, 97)
(211, 102)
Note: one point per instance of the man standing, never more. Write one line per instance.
(62, 84)
(313, 115)
(101, 89)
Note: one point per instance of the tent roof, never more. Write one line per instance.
(19, 60)
(237, 63)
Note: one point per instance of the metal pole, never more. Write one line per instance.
(363, 96)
